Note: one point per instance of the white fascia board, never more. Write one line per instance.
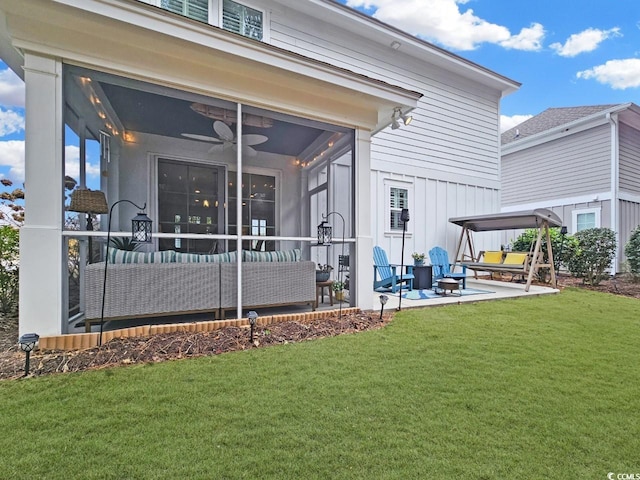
(384, 34)
(585, 123)
(154, 19)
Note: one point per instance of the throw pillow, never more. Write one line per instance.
(293, 255)
(126, 256)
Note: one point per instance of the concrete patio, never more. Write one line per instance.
(496, 290)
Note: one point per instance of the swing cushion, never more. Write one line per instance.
(515, 259)
(492, 257)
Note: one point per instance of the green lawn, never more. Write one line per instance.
(545, 387)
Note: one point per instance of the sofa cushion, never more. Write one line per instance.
(126, 256)
(293, 255)
(212, 258)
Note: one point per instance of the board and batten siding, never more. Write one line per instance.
(575, 165)
(432, 203)
(629, 148)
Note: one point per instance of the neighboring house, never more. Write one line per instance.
(271, 113)
(581, 162)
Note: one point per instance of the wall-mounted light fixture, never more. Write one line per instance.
(398, 115)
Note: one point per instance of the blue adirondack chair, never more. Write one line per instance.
(387, 276)
(442, 268)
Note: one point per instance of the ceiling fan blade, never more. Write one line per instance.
(202, 138)
(249, 151)
(220, 147)
(223, 131)
(253, 139)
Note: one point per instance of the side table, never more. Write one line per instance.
(320, 286)
(423, 277)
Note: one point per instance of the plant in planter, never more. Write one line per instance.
(418, 259)
(338, 289)
(323, 272)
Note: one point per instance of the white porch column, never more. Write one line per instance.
(364, 239)
(41, 272)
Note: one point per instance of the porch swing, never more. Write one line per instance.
(516, 263)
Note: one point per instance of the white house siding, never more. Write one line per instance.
(576, 165)
(629, 147)
(449, 154)
(433, 203)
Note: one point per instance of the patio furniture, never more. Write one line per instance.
(443, 269)
(389, 277)
(423, 277)
(320, 286)
(444, 284)
(171, 287)
(515, 263)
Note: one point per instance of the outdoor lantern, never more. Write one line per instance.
(325, 232)
(28, 342)
(141, 228)
(383, 302)
(252, 316)
(140, 233)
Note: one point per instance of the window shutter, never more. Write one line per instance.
(196, 9)
(241, 19)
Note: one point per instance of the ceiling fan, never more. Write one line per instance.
(226, 139)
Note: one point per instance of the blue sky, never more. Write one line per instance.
(565, 53)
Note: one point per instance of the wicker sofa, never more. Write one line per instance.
(170, 288)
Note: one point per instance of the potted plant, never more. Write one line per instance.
(338, 289)
(323, 272)
(418, 259)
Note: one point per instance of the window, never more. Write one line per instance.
(190, 200)
(258, 209)
(232, 16)
(242, 19)
(398, 199)
(196, 9)
(585, 218)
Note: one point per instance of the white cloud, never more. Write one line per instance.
(528, 39)
(10, 122)
(12, 156)
(509, 122)
(72, 163)
(11, 89)
(619, 74)
(443, 22)
(585, 41)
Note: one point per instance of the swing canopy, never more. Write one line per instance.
(540, 219)
(509, 220)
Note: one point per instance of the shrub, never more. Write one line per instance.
(632, 251)
(9, 255)
(596, 250)
(563, 249)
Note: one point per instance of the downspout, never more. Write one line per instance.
(615, 185)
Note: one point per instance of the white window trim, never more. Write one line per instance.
(580, 211)
(388, 185)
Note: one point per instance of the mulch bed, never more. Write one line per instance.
(172, 346)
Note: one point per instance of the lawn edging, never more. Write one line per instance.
(83, 341)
